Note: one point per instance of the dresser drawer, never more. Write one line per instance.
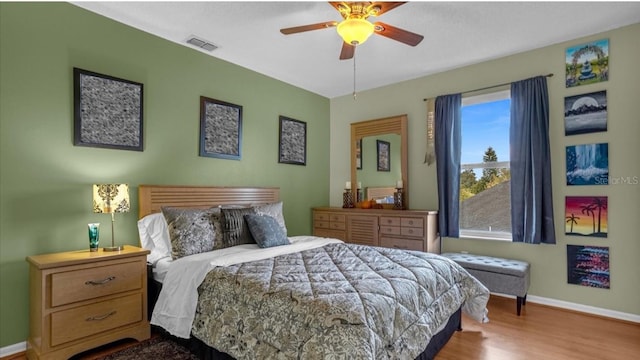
(390, 230)
(73, 286)
(320, 216)
(414, 232)
(412, 222)
(406, 244)
(321, 224)
(337, 218)
(390, 221)
(83, 321)
(337, 225)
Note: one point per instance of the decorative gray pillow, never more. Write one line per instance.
(191, 230)
(275, 211)
(234, 228)
(266, 231)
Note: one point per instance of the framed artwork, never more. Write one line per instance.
(586, 216)
(359, 154)
(588, 164)
(107, 111)
(586, 113)
(384, 152)
(588, 266)
(292, 148)
(220, 129)
(587, 63)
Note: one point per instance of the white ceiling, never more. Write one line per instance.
(455, 34)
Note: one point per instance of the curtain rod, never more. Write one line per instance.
(490, 87)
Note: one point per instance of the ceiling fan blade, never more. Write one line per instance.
(303, 28)
(392, 32)
(347, 51)
(385, 6)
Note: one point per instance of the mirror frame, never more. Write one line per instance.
(389, 125)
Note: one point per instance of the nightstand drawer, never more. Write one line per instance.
(91, 319)
(73, 286)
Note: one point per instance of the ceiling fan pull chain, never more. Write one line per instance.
(354, 76)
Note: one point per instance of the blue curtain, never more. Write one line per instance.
(531, 195)
(448, 142)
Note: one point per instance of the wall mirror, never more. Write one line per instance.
(379, 156)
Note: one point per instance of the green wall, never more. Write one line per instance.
(45, 181)
(548, 262)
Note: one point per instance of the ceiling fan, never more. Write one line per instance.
(355, 29)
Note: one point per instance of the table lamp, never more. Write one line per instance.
(111, 199)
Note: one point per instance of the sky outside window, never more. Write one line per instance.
(485, 125)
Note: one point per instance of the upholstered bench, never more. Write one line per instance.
(499, 275)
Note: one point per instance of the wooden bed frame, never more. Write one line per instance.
(153, 197)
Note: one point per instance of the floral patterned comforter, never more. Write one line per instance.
(338, 301)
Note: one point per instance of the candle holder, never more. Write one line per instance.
(398, 199)
(347, 199)
(360, 196)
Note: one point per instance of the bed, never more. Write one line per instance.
(307, 298)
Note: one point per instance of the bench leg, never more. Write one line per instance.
(521, 300)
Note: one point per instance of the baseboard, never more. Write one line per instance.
(579, 308)
(13, 349)
(21, 347)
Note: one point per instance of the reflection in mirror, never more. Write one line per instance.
(365, 171)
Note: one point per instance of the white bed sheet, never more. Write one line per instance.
(160, 269)
(176, 306)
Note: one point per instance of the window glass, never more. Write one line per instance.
(485, 201)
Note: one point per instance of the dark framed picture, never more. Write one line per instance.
(107, 111)
(384, 150)
(220, 129)
(359, 154)
(293, 141)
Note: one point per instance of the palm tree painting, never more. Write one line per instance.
(586, 216)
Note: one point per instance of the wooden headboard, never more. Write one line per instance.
(153, 197)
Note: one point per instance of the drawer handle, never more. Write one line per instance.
(100, 282)
(400, 247)
(102, 317)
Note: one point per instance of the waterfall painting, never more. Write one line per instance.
(586, 216)
(588, 266)
(588, 164)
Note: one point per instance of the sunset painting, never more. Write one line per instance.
(586, 216)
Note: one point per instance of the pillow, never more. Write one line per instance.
(234, 228)
(274, 210)
(154, 236)
(191, 230)
(266, 231)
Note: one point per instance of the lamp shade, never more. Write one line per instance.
(111, 198)
(355, 31)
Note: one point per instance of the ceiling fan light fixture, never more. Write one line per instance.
(355, 31)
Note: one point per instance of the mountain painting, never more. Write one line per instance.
(588, 164)
(586, 216)
(588, 266)
(586, 113)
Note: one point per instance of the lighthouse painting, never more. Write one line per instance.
(588, 164)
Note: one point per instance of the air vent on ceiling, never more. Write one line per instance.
(204, 44)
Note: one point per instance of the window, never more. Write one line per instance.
(485, 199)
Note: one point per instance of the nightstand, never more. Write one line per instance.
(79, 300)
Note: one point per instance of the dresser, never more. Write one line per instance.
(402, 229)
(79, 300)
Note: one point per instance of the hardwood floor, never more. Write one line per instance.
(540, 333)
